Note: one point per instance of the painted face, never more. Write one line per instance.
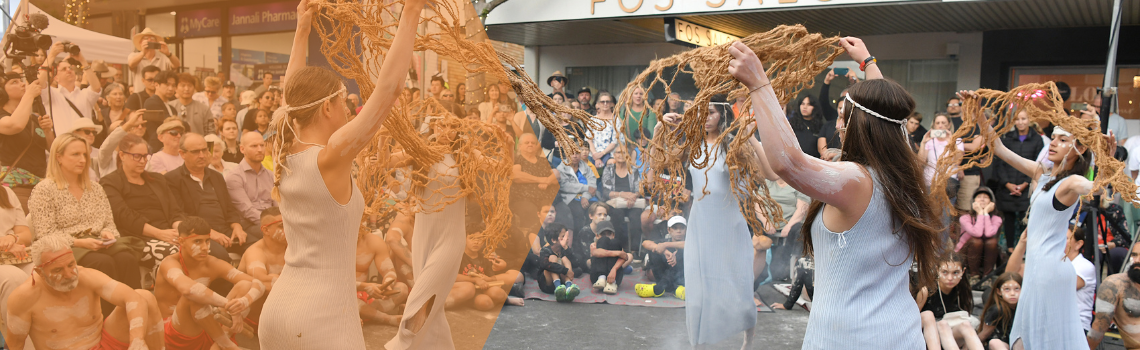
(274, 228)
(598, 215)
(62, 274)
(548, 215)
(1062, 149)
(73, 159)
(198, 246)
(949, 275)
(712, 123)
(1011, 291)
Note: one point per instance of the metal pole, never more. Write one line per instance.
(1107, 93)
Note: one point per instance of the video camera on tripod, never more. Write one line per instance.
(27, 39)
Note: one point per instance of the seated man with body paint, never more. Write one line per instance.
(58, 307)
(1118, 300)
(398, 235)
(182, 294)
(378, 302)
(265, 259)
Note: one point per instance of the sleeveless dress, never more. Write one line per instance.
(1047, 315)
(718, 260)
(862, 284)
(438, 241)
(313, 304)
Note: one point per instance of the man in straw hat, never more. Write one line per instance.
(152, 52)
(558, 82)
(106, 74)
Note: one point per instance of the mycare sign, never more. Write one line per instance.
(530, 11)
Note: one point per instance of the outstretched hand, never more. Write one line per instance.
(855, 48)
(306, 10)
(745, 66)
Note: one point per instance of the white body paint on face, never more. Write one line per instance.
(1104, 306)
(195, 250)
(62, 313)
(18, 325)
(136, 322)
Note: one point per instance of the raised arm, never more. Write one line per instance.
(349, 140)
(18, 120)
(844, 185)
(1028, 167)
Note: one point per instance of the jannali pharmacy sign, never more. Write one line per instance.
(263, 18)
(531, 11)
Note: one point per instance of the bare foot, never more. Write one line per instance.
(516, 301)
(777, 307)
(758, 302)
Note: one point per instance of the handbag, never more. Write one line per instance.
(12, 167)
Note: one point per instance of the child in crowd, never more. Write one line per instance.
(608, 257)
(485, 282)
(946, 320)
(665, 259)
(554, 265)
(979, 235)
(1000, 308)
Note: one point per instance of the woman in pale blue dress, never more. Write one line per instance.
(1047, 315)
(718, 250)
(871, 213)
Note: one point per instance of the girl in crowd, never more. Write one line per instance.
(636, 120)
(69, 203)
(488, 107)
(605, 140)
(228, 131)
(871, 215)
(979, 235)
(946, 320)
(1012, 195)
(718, 251)
(999, 311)
(23, 159)
(807, 122)
(1048, 313)
(261, 122)
(248, 118)
(317, 143)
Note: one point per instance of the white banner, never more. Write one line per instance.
(529, 11)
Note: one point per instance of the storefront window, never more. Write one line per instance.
(254, 54)
(1083, 83)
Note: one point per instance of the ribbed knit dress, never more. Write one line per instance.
(862, 284)
(313, 303)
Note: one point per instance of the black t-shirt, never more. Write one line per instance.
(828, 132)
(968, 138)
(35, 159)
(934, 304)
(135, 100)
(808, 139)
(1001, 328)
(477, 265)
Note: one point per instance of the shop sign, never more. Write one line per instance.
(695, 35)
(531, 11)
(264, 18)
(277, 69)
(247, 56)
(199, 23)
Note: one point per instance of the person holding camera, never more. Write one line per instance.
(932, 147)
(152, 52)
(24, 138)
(68, 102)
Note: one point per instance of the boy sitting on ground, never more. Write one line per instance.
(608, 259)
(666, 262)
(555, 267)
(378, 302)
(484, 281)
(265, 259)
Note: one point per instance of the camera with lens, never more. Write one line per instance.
(70, 48)
(154, 45)
(26, 39)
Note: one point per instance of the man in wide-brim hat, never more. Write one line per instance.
(149, 56)
(106, 73)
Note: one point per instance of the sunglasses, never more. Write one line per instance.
(197, 152)
(605, 101)
(174, 133)
(86, 131)
(136, 157)
(211, 92)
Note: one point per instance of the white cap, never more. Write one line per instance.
(677, 220)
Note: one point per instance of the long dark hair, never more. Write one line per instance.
(800, 122)
(1004, 309)
(1080, 167)
(962, 290)
(881, 147)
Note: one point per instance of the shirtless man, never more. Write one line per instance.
(62, 310)
(183, 295)
(397, 238)
(1118, 299)
(265, 259)
(378, 302)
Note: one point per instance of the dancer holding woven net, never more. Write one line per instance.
(1047, 315)
(313, 304)
(871, 215)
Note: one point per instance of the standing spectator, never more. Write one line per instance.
(461, 94)
(558, 82)
(247, 98)
(979, 236)
(437, 86)
(24, 139)
(250, 184)
(229, 110)
(621, 184)
(489, 106)
(585, 98)
(202, 192)
(166, 159)
(148, 85)
(605, 140)
(142, 204)
(933, 147)
(229, 90)
(266, 82)
(211, 96)
(674, 104)
(104, 73)
(69, 204)
(165, 83)
(576, 187)
(67, 102)
(533, 182)
(914, 129)
(807, 122)
(447, 99)
(1086, 276)
(1012, 196)
(228, 133)
(637, 120)
(148, 55)
(970, 179)
(666, 260)
(189, 110)
(112, 110)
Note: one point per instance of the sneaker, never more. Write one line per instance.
(645, 290)
(601, 283)
(560, 293)
(572, 292)
(680, 292)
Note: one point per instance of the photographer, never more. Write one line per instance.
(24, 137)
(152, 52)
(68, 102)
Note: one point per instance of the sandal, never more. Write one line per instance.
(601, 283)
(645, 290)
(611, 288)
(680, 293)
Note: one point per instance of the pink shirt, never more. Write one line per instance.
(933, 150)
(985, 226)
(160, 162)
